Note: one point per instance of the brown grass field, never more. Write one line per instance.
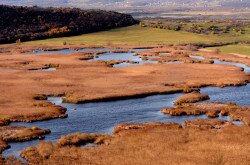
(191, 98)
(156, 144)
(212, 110)
(24, 92)
(83, 81)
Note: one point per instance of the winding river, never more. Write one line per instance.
(103, 116)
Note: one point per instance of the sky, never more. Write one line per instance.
(116, 4)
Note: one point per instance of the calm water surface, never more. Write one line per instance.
(123, 56)
(102, 117)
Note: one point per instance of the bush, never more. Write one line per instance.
(217, 51)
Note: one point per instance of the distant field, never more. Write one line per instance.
(237, 49)
(144, 36)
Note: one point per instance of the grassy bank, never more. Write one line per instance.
(236, 49)
(144, 36)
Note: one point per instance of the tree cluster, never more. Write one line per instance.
(200, 27)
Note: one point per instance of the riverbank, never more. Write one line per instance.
(155, 143)
(24, 92)
(83, 81)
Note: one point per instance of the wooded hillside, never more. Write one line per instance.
(30, 23)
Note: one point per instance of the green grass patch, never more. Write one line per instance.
(243, 49)
(142, 36)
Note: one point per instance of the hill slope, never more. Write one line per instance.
(29, 23)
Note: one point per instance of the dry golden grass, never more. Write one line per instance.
(23, 94)
(23, 91)
(3, 145)
(212, 110)
(155, 145)
(191, 98)
(79, 139)
(10, 161)
(19, 134)
(134, 126)
(4, 121)
(225, 57)
(206, 124)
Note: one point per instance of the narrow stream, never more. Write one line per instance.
(102, 117)
(216, 61)
(66, 51)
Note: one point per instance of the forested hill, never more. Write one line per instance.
(30, 23)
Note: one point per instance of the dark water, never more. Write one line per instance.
(102, 117)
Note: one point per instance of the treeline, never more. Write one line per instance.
(31, 23)
(200, 27)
